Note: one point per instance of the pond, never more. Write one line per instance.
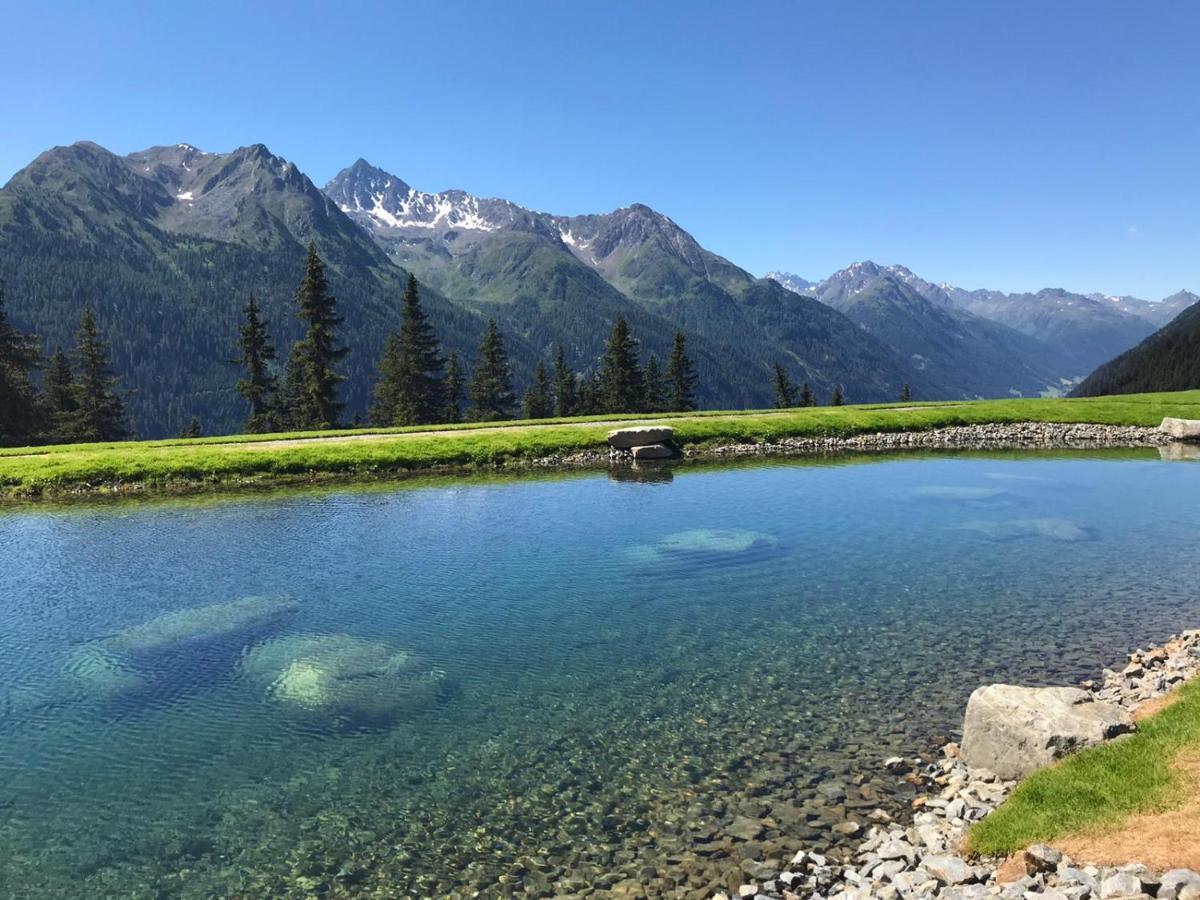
(544, 686)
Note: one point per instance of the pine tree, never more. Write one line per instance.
(621, 385)
(837, 399)
(587, 392)
(906, 394)
(192, 429)
(22, 416)
(785, 396)
(452, 391)
(101, 412)
(62, 400)
(807, 397)
(310, 385)
(681, 377)
(655, 396)
(565, 401)
(491, 385)
(410, 386)
(258, 386)
(539, 401)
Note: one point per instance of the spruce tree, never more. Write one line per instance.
(837, 399)
(565, 401)
(452, 391)
(906, 394)
(621, 384)
(101, 412)
(311, 384)
(655, 397)
(62, 400)
(410, 386)
(491, 385)
(807, 397)
(22, 416)
(192, 429)
(539, 400)
(258, 385)
(681, 377)
(785, 396)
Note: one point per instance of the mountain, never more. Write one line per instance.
(563, 278)
(792, 282)
(1168, 360)
(165, 244)
(1157, 313)
(1084, 330)
(960, 354)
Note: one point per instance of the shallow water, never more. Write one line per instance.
(611, 671)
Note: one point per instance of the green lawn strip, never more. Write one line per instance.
(1099, 787)
(25, 471)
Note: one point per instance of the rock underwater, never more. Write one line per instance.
(343, 679)
(175, 650)
(711, 545)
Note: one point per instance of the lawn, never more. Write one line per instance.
(1097, 791)
(78, 468)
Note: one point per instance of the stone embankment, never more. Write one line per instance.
(922, 860)
(1015, 436)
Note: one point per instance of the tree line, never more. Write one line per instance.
(78, 399)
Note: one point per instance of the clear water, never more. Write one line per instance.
(609, 697)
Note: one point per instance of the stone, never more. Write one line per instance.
(1041, 858)
(1188, 892)
(1120, 884)
(1014, 731)
(340, 678)
(949, 870)
(1174, 881)
(640, 436)
(744, 828)
(1181, 429)
(651, 451)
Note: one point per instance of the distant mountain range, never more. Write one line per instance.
(1168, 360)
(1057, 332)
(166, 243)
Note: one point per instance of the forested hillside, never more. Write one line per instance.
(1168, 360)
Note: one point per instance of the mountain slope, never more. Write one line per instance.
(166, 244)
(563, 279)
(1086, 331)
(1168, 360)
(960, 354)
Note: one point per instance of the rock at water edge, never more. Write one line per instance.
(1014, 731)
(641, 436)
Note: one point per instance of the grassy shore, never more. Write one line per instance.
(1100, 789)
(182, 463)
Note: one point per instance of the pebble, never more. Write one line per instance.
(915, 861)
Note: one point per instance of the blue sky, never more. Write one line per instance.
(1010, 145)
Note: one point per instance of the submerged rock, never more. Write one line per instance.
(1052, 529)
(344, 678)
(956, 492)
(710, 544)
(173, 650)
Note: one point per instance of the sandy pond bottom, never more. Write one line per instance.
(544, 686)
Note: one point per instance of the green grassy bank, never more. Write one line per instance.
(1099, 787)
(81, 468)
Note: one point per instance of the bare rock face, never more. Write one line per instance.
(1181, 429)
(1013, 731)
(642, 436)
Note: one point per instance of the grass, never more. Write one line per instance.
(1102, 787)
(82, 468)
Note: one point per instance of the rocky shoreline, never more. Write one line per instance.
(920, 859)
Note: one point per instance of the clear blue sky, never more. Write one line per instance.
(1011, 145)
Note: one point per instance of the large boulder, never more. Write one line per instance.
(652, 451)
(641, 436)
(342, 679)
(1013, 731)
(1181, 429)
